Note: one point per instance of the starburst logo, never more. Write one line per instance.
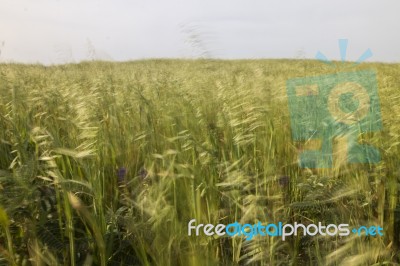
(343, 43)
(329, 113)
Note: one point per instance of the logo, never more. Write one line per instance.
(331, 111)
(249, 231)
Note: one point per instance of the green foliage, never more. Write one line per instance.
(200, 139)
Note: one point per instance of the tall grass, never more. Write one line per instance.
(105, 164)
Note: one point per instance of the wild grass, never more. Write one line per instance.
(106, 163)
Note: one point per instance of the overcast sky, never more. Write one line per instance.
(51, 31)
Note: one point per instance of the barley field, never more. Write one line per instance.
(106, 163)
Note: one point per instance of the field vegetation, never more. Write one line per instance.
(106, 163)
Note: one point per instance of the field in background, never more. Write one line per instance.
(105, 164)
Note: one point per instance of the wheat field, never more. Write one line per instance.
(106, 163)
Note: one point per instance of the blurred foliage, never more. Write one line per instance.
(106, 163)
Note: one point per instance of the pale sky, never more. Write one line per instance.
(60, 31)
